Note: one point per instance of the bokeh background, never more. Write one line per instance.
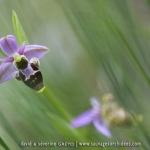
(96, 47)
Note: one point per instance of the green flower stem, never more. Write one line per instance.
(3, 144)
(58, 106)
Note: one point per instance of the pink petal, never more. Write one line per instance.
(95, 104)
(9, 45)
(83, 119)
(7, 59)
(37, 51)
(6, 71)
(102, 127)
(22, 48)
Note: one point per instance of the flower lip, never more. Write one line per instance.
(34, 80)
(41, 89)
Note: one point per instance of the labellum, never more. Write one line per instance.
(35, 79)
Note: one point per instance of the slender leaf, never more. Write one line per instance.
(3, 144)
(64, 128)
(18, 29)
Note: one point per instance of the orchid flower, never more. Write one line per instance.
(108, 114)
(92, 116)
(18, 58)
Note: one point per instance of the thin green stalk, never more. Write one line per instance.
(58, 106)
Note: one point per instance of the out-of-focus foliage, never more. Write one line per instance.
(97, 46)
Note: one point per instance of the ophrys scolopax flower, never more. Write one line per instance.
(21, 61)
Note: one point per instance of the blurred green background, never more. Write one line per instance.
(96, 47)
